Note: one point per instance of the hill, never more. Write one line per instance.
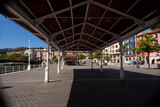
(5, 50)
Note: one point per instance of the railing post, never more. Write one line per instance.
(5, 69)
(23, 67)
(13, 68)
(19, 68)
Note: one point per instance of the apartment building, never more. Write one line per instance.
(153, 55)
(129, 54)
(113, 52)
(33, 53)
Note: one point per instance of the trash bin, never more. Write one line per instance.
(158, 63)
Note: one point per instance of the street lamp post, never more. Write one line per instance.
(29, 58)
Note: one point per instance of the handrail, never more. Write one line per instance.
(15, 68)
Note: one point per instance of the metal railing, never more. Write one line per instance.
(8, 69)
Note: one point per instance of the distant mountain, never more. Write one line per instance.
(5, 50)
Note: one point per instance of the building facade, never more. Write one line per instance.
(153, 55)
(129, 54)
(33, 53)
(113, 52)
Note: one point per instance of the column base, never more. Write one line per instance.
(46, 81)
(29, 67)
(57, 69)
(121, 73)
(101, 70)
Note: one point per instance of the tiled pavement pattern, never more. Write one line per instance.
(78, 86)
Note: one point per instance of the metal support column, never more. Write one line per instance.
(58, 65)
(29, 57)
(46, 79)
(91, 60)
(101, 62)
(137, 65)
(121, 62)
(62, 64)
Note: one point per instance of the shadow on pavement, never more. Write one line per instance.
(90, 88)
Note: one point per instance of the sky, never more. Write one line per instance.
(13, 36)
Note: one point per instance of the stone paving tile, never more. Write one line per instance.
(26, 89)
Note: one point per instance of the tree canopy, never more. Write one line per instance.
(148, 44)
(156, 27)
(81, 56)
(97, 55)
(14, 56)
(89, 56)
(106, 57)
(54, 57)
(124, 47)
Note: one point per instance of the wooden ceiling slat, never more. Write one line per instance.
(94, 14)
(133, 13)
(79, 12)
(143, 7)
(38, 7)
(52, 25)
(122, 25)
(59, 4)
(88, 29)
(122, 5)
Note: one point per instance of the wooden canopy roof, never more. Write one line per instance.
(82, 25)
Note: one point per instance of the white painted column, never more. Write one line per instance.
(91, 60)
(101, 62)
(62, 64)
(58, 65)
(46, 79)
(121, 62)
(29, 57)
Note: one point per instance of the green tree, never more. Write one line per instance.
(148, 44)
(3, 57)
(54, 57)
(81, 56)
(23, 57)
(138, 51)
(124, 47)
(14, 56)
(89, 56)
(97, 55)
(156, 27)
(107, 57)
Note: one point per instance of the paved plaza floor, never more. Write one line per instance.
(79, 86)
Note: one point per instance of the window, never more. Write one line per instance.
(116, 50)
(106, 50)
(116, 46)
(156, 35)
